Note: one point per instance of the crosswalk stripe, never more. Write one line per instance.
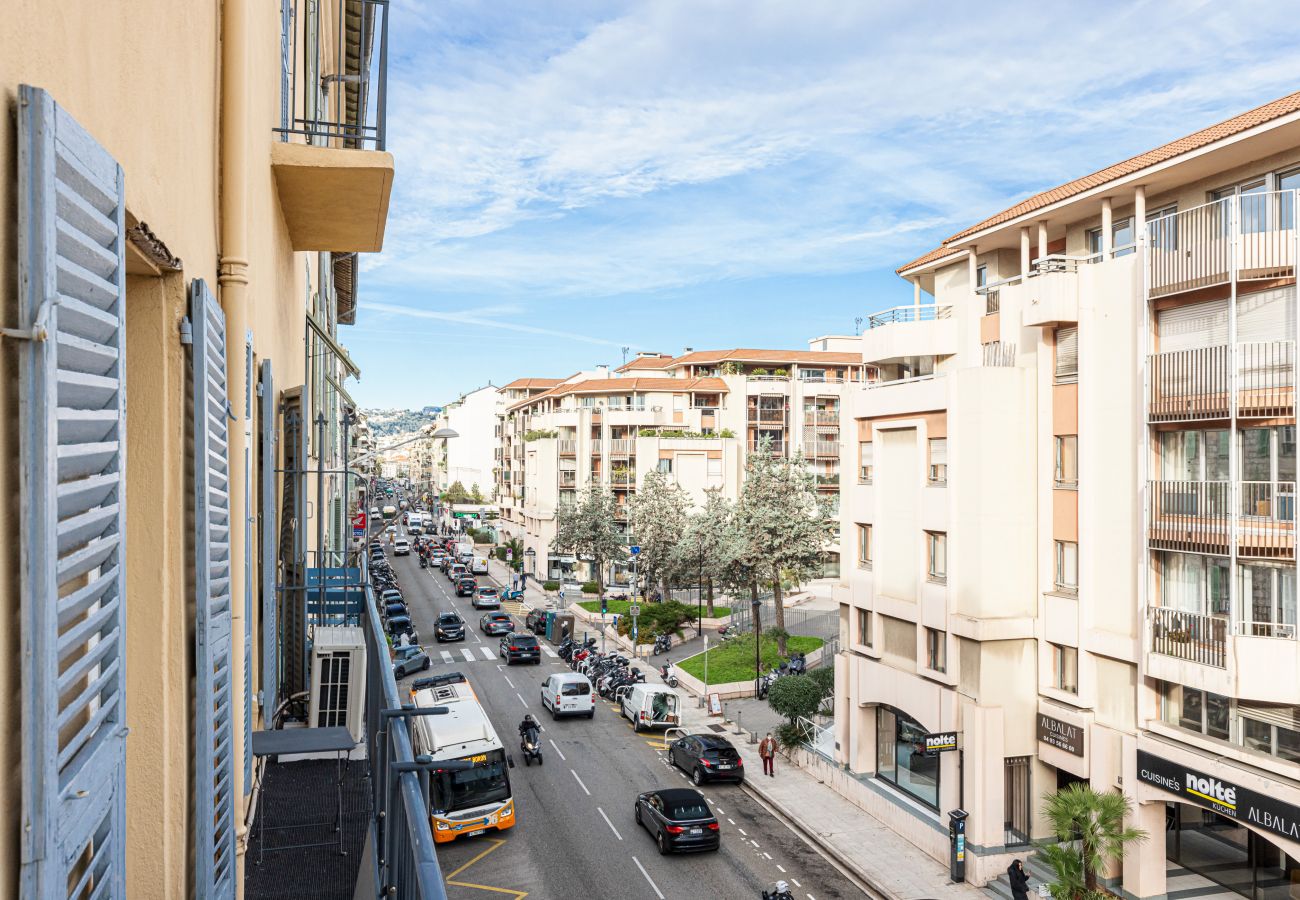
(487, 654)
(446, 657)
(549, 652)
(469, 657)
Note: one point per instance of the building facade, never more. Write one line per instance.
(1073, 523)
(179, 253)
(470, 457)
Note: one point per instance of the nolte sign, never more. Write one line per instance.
(1223, 797)
(1061, 735)
(940, 741)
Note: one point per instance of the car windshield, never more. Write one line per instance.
(688, 810)
(483, 784)
(449, 620)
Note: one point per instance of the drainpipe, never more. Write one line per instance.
(232, 277)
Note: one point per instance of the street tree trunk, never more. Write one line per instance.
(778, 610)
(708, 597)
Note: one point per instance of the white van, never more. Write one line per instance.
(479, 566)
(650, 706)
(569, 694)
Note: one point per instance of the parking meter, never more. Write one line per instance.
(957, 844)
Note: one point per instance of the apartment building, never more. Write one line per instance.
(696, 416)
(1074, 520)
(186, 189)
(470, 457)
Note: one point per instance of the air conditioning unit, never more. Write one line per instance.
(656, 409)
(338, 678)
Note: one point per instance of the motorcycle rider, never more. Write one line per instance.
(527, 725)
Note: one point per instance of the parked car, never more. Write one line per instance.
(486, 598)
(402, 548)
(401, 653)
(466, 587)
(496, 623)
(679, 819)
(416, 662)
(569, 694)
(396, 609)
(707, 757)
(390, 595)
(520, 648)
(449, 627)
(401, 625)
(535, 621)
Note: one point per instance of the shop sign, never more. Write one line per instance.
(1225, 798)
(941, 742)
(1061, 735)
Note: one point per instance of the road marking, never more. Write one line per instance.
(609, 823)
(507, 678)
(754, 842)
(521, 699)
(653, 886)
(741, 830)
(446, 657)
(811, 897)
(549, 652)
(768, 855)
(781, 867)
(496, 842)
(488, 654)
(469, 657)
(796, 882)
(580, 784)
(558, 750)
(732, 821)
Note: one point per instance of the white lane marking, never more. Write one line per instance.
(741, 830)
(754, 842)
(549, 652)
(609, 823)
(507, 678)
(446, 657)
(558, 750)
(580, 784)
(487, 654)
(768, 855)
(469, 657)
(521, 699)
(781, 867)
(732, 821)
(653, 886)
(811, 897)
(796, 882)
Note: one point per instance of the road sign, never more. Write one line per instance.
(359, 521)
(634, 549)
(510, 556)
(634, 609)
(359, 532)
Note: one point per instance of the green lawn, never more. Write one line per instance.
(734, 660)
(619, 607)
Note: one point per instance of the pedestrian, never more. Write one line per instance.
(767, 753)
(1019, 880)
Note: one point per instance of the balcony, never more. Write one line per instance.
(1196, 517)
(1051, 292)
(331, 172)
(568, 479)
(828, 481)
(621, 478)
(1195, 385)
(776, 448)
(910, 331)
(822, 449)
(767, 416)
(1266, 525)
(621, 447)
(1191, 636)
(568, 447)
(822, 417)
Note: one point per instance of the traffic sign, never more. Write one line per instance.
(634, 549)
(359, 532)
(634, 609)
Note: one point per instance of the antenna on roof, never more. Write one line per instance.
(857, 325)
(625, 349)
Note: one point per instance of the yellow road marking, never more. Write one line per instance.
(496, 842)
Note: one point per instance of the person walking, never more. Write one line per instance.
(767, 753)
(1019, 879)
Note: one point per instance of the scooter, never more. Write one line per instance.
(530, 746)
(510, 595)
(666, 672)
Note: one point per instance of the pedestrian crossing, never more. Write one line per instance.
(467, 655)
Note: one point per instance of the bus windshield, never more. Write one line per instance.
(485, 783)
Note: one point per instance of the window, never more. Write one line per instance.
(938, 460)
(901, 758)
(981, 276)
(1268, 601)
(1067, 355)
(1067, 566)
(864, 546)
(1065, 668)
(1193, 583)
(666, 466)
(866, 459)
(1196, 710)
(864, 627)
(715, 468)
(1067, 460)
(937, 555)
(1121, 239)
(936, 650)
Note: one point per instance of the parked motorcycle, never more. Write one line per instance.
(765, 683)
(663, 643)
(729, 631)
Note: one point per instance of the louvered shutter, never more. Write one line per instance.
(938, 451)
(1067, 354)
(214, 817)
(270, 549)
(72, 486)
(249, 700)
(1193, 326)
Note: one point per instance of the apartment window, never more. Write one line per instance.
(1272, 729)
(864, 627)
(981, 276)
(666, 466)
(1067, 355)
(1065, 668)
(1195, 710)
(1067, 566)
(938, 460)
(715, 468)
(936, 650)
(1193, 583)
(1121, 239)
(1268, 599)
(937, 555)
(866, 459)
(1067, 460)
(864, 546)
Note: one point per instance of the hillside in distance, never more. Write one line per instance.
(389, 422)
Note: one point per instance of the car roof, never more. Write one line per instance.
(497, 615)
(525, 638)
(449, 615)
(570, 676)
(713, 740)
(680, 796)
(487, 588)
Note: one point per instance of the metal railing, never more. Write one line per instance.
(621, 477)
(1266, 379)
(1191, 636)
(821, 379)
(334, 73)
(822, 417)
(1195, 384)
(822, 448)
(1266, 525)
(568, 478)
(768, 377)
(775, 447)
(621, 447)
(774, 416)
(999, 354)
(928, 313)
(405, 863)
(568, 447)
(1190, 516)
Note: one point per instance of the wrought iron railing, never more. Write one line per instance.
(334, 73)
(1191, 636)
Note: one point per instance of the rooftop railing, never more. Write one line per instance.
(927, 313)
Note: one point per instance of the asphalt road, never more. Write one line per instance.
(575, 832)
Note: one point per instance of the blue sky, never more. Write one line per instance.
(576, 177)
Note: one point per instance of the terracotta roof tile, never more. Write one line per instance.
(658, 361)
(628, 386)
(1244, 122)
(520, 383)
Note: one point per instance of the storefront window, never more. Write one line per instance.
(901, 758)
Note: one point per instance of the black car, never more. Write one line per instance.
(466, 587)
(707, 757)
(521, 648)
(450, 627)
(396, 609)
(535, 621)
(401, 625)
(679, 819)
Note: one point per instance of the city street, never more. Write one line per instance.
(575, 831)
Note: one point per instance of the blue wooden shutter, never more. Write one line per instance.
(270, 547)
(72, 282)
(214, 773)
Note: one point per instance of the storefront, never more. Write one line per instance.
(902, 759)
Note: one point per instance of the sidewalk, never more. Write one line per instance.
(857, 841)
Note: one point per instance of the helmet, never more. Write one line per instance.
(528, 717)
(782, 887)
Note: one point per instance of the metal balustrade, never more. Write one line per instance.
(1191, 636)
(1266, 522)
(929, 312)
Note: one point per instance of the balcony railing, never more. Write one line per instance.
(621, 477)
(334, 82)
(768, 377)
(776, 448)
(1250, 235)
(1191, 516)
(828, 480)
(823, 448)
(928, 313)
(1192, 385)
(568, 479)
(1266, 380)
(822, 417)
(1266, 527)
(774, 416)
(621, 447)
(1191, 636)
(568, 447)
(821, 379)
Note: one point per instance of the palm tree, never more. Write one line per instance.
(1091, 831)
